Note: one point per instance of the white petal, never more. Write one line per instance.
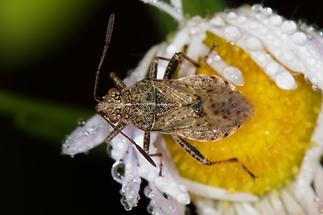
(246, 208)
(308, 201)
(206, 207)
(291, 205)
(265, 207)
(318, 183)
(86, 137)
(216, 193)
(277, 204)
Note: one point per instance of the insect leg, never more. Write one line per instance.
(152, 71)
(175, 62)
(160, 160)
(117, 81)
(146, 141)
(146, 149)
(210, 51)
(199, 157)
(117, 129)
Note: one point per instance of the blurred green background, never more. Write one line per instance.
(49, 51)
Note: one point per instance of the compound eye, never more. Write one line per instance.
(112, 92)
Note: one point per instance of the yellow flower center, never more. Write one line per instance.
(271, 144)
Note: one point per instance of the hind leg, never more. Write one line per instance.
(196, 154)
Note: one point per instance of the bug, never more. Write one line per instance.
(197, 107)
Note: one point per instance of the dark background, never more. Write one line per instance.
(35, 177)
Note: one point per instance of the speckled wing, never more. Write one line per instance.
(221, 111)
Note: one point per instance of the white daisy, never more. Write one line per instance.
(277, 64)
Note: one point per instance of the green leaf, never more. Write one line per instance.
(202, 7)
(31, 28)
(41, 119)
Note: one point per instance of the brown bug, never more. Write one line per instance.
(198, 107)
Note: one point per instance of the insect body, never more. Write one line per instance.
(199, 107)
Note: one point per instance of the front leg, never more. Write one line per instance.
(116, 130)
(117, 81)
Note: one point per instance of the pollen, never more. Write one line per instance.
(271, 144)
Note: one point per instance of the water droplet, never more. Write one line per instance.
(81, 123)
(150, 208)
(118, 171)
(217, 21)
(299, 38)
(125, 204)
(289, 27)
(86, 133)
(232, 33)
(257, 8)
(233, 75)
(123, 200)
(315, 87)
(275, 20)
(232, 15)
(285, 81)
(147, 191)
(127, 207)
(253, 43)
(195, 30)
(267, 11)
(91, 130)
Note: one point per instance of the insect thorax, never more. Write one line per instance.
(143, 104)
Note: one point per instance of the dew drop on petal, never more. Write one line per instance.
(253, 43)
(217, 22)
(147, 191)
(232, 33)
(257, 8)
(315, 88)
(275, 20)
(289, 27)
(81, 123)
(150, 209)
(125, 204)
(86, 133)
(267, 11)
(233, 75)
(299, 38)
(285, 81)
(242, 19)
(272, 68)
(118, 171)
(232, 15)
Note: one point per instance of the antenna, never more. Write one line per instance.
(107, 40)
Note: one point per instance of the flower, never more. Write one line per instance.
(276, 63)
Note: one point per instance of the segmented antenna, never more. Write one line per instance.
(107, 40)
